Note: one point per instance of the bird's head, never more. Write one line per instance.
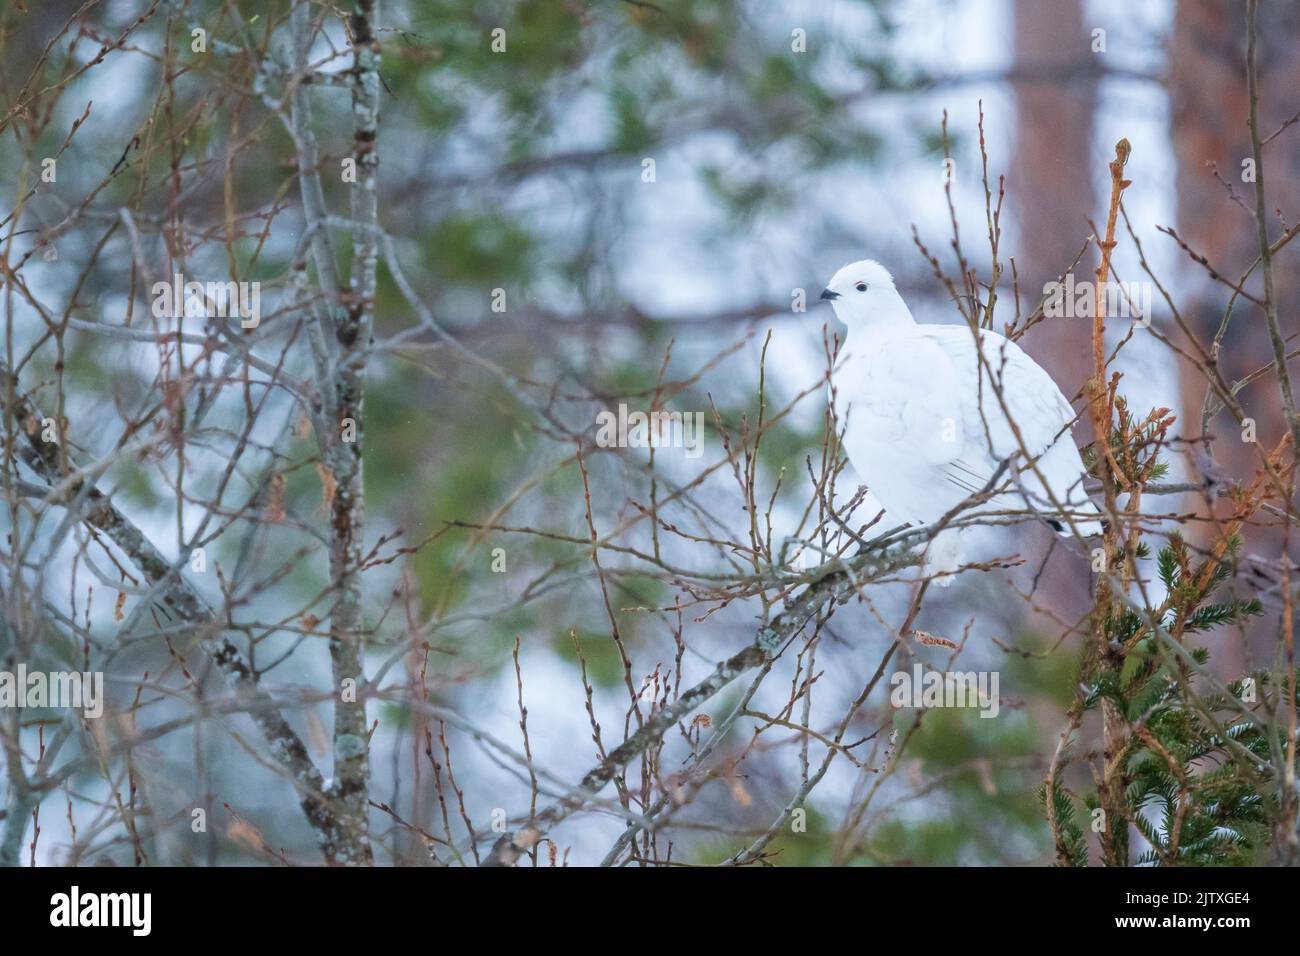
(863, 294)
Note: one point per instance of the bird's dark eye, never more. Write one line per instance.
(861, 287)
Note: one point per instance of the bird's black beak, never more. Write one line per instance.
(828, 294)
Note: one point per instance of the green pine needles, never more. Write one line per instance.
(1197, 763)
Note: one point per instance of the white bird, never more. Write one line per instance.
(929, 420)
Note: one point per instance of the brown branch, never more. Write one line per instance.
(184, 603)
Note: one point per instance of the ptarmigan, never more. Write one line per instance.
(925, 428)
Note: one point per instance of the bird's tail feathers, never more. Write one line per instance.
(1081, 517)
(1062, 471)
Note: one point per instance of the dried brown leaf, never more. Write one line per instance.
(274, 510)
(933, 640)
(328, 486)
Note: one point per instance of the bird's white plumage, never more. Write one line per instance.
(929, 419)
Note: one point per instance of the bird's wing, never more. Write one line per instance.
(1008, 403)
(890, 397)
(931, 419)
